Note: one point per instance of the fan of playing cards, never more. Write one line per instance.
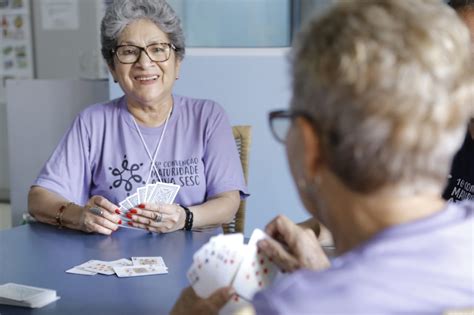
(151, 193)
(225, 260)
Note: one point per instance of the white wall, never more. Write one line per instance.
(39, 113)
(248, 83)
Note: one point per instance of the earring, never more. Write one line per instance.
(115, 81)
(302, 184)
(317, 180)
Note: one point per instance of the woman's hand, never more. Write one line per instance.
(99, 215)
(161, 218)
(293, 247)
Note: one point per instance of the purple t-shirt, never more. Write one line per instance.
(102, 154)
(425, 267)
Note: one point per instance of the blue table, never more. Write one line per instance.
(39, 254)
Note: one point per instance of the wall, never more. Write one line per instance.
(69, 53)
(248, 83)
(39, 113)
(4, 179)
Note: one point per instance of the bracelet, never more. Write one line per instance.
(59, 215)
(188, 222)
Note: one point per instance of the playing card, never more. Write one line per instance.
(215, 264)
(26, 296)
(164, 193)
(256, 270)
(135, 271)
(142, 194)
(125, 205)
(149, 191)
(155, 261)
(105, 267)
(125, 225)
(78, 270)
(133, 200)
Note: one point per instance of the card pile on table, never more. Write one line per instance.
(27, 296)
(225, 260)
(138, 266)
(151, 193)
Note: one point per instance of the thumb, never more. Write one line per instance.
(220, 297)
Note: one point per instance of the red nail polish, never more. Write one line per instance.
(130, 223)
(141, 206)
(120, 222)
(133, 211)
(117, 211)
(129, 216)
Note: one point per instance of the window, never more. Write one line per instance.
(235, 23)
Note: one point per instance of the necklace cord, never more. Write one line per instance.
(153, 158)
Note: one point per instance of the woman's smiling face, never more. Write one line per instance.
(145, 82)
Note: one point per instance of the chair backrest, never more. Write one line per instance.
(243, 137)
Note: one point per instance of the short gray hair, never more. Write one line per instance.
(121, 13)
(389, 85)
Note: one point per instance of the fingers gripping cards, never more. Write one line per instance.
(226, 260)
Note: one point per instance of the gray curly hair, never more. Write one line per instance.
(389, 85)
(121, 13)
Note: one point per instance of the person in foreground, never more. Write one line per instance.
(149, 135)
(382, 93)
(461, 179)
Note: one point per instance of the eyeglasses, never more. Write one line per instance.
(128, 54)
(280, 122)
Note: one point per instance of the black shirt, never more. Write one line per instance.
(461, 182)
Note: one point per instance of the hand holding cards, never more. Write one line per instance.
(159, 193)
(225, 260)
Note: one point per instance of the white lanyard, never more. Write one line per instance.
(153, 158)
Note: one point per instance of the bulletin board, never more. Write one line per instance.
(16, 60)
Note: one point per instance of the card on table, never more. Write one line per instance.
(105, 267)
(150, 265)
(156, 261)
(136, 271)
(27, 296)
(78, 270)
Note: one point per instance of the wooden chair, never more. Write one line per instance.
(243, 137)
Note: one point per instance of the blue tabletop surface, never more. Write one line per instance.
(38, 255)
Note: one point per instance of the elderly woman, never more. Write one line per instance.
(149, 135)
(382, 92)
(461, 180)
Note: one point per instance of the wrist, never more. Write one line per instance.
(59, 218)
(189, 219)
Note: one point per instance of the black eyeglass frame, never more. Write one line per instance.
(143, 49)
(287, 114)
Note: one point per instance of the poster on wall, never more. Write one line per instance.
(60, 14)
(16, 60)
